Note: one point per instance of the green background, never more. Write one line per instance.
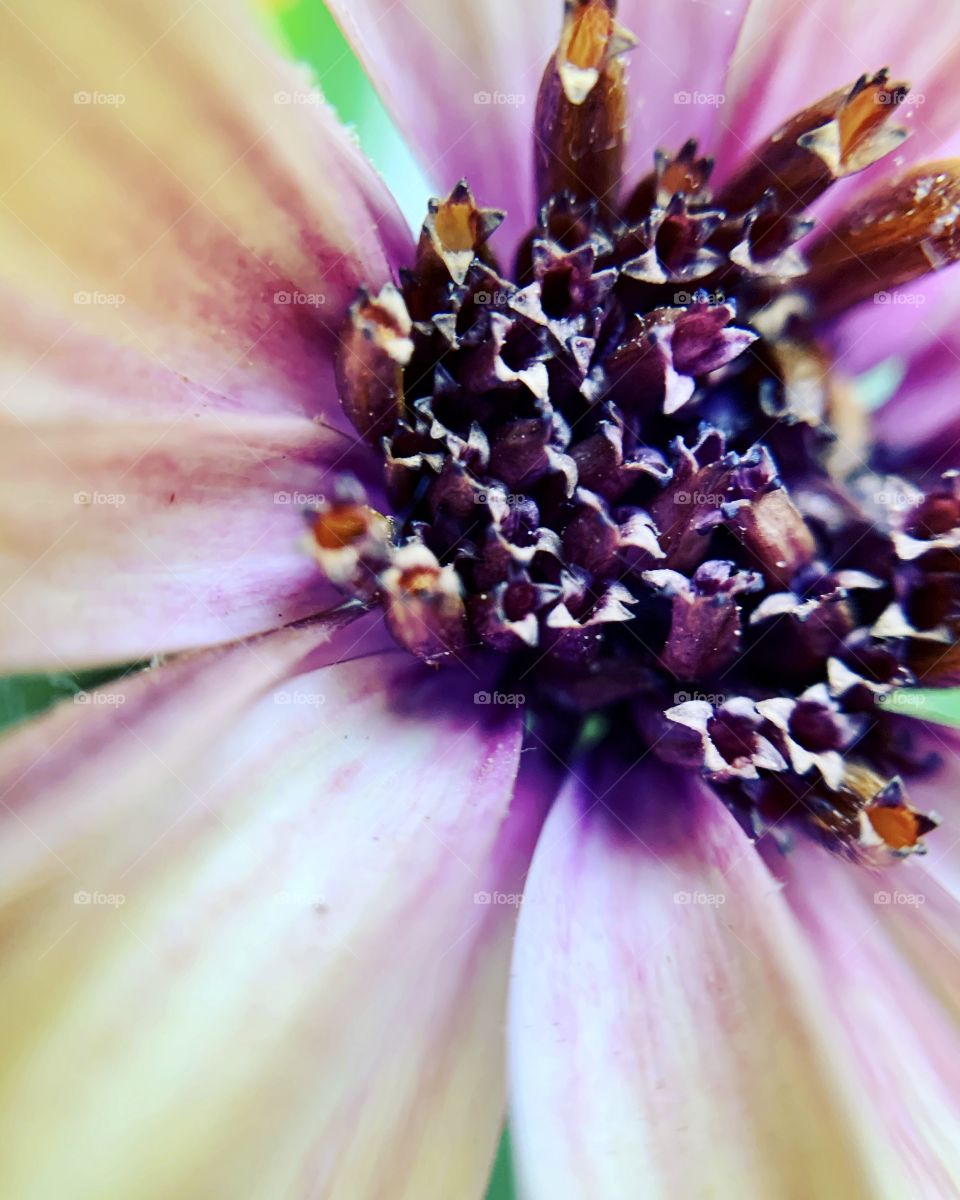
(308, 31)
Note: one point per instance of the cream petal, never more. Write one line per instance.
(665, 1037)
(905, 1047)
(927, 926)
(248, 948)
(171, 182)
(142, 514)
(926, 932)
(460, 78)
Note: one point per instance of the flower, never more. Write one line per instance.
(267, 907)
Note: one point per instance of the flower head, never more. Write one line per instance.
(624, 464)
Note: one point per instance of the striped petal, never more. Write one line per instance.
(460, 78)
(677, 74)
(926, 925)
(250, 947)
(665, 1038)
(140, 513)
(171, 182)
(789, 55)
(183, 224)
(905, 1046)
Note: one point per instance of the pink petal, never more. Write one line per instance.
(904, 324)
(906, 1048)
(169, 180)
(665, 1037)
(791, 54)
(921, 418)
(677, 74)
(461, 82)
(302, 990)
(142, 514)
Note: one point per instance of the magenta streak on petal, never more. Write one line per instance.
(188, 699)
(461, 81)
(313, 961)
(200, 237)
(51, 369)
(904, 325)
(906, 1048)
(143, 513)
(153, 541)
(657, 970)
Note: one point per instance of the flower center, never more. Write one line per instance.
(629, 469)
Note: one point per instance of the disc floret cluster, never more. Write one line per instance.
(626, 466)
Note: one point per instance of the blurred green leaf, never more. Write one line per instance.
(23, 696)
(941, 705)
(501, 1181)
